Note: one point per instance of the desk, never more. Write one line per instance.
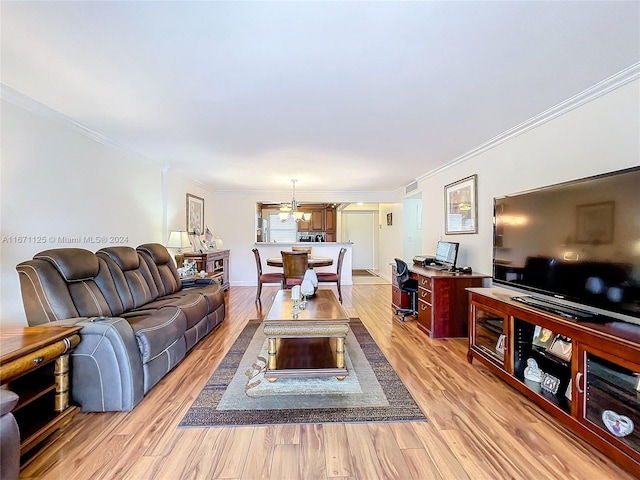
(313, 261)
(442, 300)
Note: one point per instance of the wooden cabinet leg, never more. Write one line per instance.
(61, 374)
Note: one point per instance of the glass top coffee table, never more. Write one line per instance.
(309, 344)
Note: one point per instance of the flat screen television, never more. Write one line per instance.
(574, 245)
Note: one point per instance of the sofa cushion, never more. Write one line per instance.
(131, 276)
(163, 271)
(125, 257)
(193, 305)
(156, 330)
(213, 293)
(74, 264)
(67, 283)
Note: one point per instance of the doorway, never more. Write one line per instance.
(359, 228)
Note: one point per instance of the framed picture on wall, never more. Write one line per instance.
(461, 206)
(389, 219)
(195, 214)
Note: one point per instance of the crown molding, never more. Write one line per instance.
(610, 84)
(37, 108)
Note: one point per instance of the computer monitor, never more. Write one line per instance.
(447, 253)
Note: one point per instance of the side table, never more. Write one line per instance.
(34, 363)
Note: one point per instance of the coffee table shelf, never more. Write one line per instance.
(312, 343)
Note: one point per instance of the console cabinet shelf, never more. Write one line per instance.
(585, 374)
(216, 262)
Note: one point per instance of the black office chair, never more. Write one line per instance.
(408, 285)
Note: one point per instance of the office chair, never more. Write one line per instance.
(408, 285)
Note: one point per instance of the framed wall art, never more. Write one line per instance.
(461, 206)
(195, 214)
(389, 219)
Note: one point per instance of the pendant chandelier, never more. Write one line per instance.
(290, 210)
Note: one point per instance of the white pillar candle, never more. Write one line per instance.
(295, 292)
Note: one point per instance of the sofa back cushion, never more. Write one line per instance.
(131, 276)
(67, 283)
(163, 270)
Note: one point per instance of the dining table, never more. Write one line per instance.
(314, 261)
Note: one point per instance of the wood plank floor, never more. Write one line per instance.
(479, 428)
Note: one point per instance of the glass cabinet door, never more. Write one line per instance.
(612, 400)
(489, 334)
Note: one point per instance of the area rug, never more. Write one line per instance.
(238, 394)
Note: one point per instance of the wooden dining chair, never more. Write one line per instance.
(294, 264)
(301, 249)
(265, 277)
(330, 277)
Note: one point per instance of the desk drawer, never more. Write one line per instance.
(399, 299)
(424, 282)
(424, 315)
(424, 295)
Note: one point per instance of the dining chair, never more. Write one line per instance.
(265, 277)
(301, 249)
(294, 264)
(330, 277)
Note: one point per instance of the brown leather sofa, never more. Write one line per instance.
(138, 318)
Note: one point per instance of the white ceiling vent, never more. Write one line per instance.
(411, 187)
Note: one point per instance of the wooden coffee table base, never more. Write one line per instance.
(306, 342)
(306, 357)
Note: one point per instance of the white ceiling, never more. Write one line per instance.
(359, 96)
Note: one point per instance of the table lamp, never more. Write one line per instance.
(179, 239)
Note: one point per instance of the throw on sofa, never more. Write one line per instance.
(138, 318)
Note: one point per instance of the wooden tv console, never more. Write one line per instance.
(586, 374)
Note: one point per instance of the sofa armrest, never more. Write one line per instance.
(198, 282)
(106, 366)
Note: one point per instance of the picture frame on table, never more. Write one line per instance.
(561, 347)
(542, 337)
(461, 206)
(195, 214)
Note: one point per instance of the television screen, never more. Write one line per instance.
(447, 253)
(577, 242)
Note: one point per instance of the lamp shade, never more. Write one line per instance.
(178, 239)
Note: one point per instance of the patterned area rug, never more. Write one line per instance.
(237, 393)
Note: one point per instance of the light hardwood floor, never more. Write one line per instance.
(479, 428)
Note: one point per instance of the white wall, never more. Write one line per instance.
(235, 221)
(390, 237)
(412, 219)
(56, 182)
(600, 136)
(61, 188)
